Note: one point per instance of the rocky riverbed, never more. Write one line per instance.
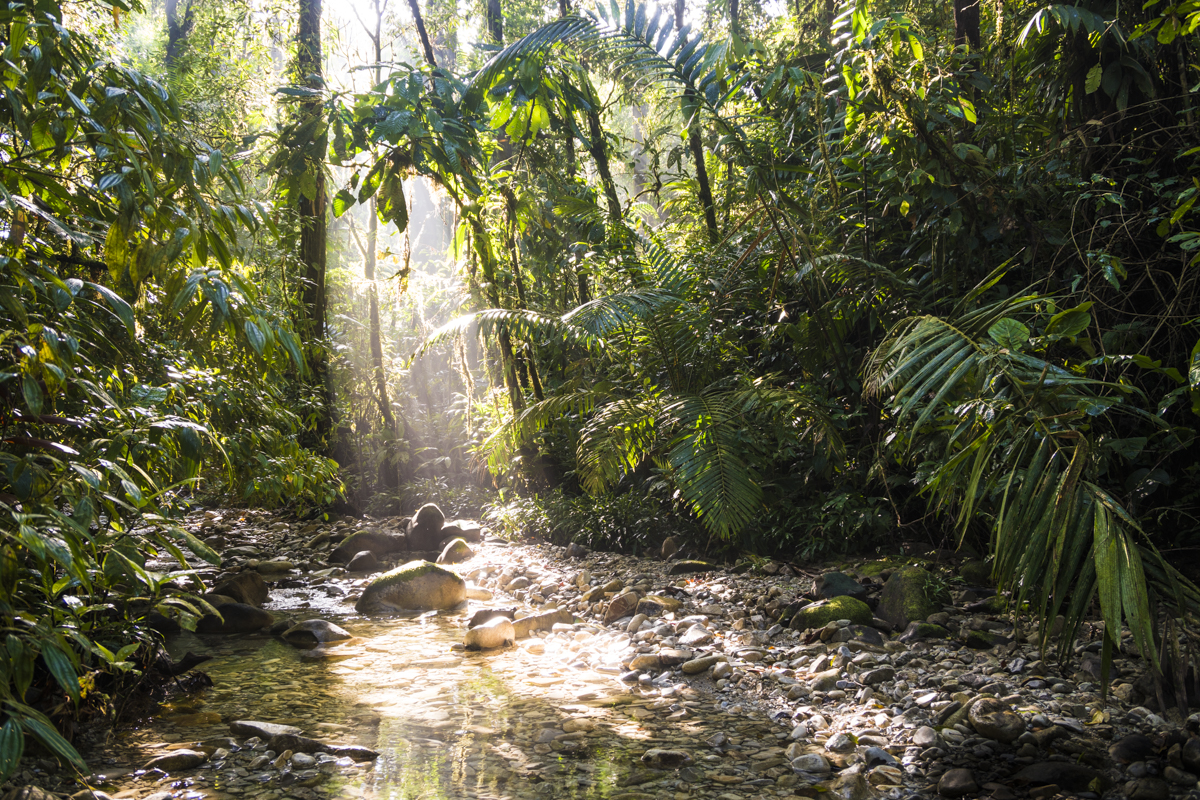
(672, 679)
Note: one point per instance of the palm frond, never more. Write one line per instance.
(606, 315)
(641, 42)
(520, 429)
(705, 457)
(522, 324)
(617, 440)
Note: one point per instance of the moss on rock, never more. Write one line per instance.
(912, 593)
(818, 615)
(415, 586)
(975, 573)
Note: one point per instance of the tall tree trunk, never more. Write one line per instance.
(312, 211)
(696, 145)
(735, 21)
(422, 34)
(495, 21)
(966, 23)
(178, 29)
(598, 147)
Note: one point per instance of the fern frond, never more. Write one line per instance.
(515, 431)
(614, 442)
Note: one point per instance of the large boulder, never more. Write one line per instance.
(380, 543)
(425, 532)
(415, 586)
(820, 614)
(235, 618)
(247, 587)
(910, 594)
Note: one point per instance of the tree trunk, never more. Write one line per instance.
(422, 34)
(696, 146)
(312, 210)
(495, 21)
(966, 23)
(598, 147)
(178, 29)
(734, 16)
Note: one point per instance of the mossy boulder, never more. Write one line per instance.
(415, 586)
(235, 618)
(820, 614)
(975, 573)
(911, 594)
(455, 552)
(873, 568)
(380, 543)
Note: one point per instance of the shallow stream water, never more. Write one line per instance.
(513, 723)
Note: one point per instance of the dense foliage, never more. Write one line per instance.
(796, 280)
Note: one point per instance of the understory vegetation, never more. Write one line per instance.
(774, 279)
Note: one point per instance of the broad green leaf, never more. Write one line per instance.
(255, 336)
(1071, 322)
(1092, 83)
(1009, 334)
(118, 305)
(12, 745)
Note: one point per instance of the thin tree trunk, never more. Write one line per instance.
(598, 147)
(696, 146)
(422, 34)
(388, 469)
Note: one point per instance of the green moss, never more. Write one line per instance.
(407, 572)
(818, 615)
(912, 593)
(873, 568)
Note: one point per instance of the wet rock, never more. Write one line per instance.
(484, 614)
(991, 718)
(381, 544)
(177, 760)
(415, 586)
(984, 640)
(690, 567)
(363, 561)
(839, 584)
(465, 529)
(1134, 747)
(576, 550)
(1075, 777)
(495, 633)
(425, 532)
(235, 618)
(455, 552)
(666, 759)
(285, 742)
(956, 783)
(820, 614)
(246, 587)
(248, 729)
(315, 631)
(912, 593)
(874, 756)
